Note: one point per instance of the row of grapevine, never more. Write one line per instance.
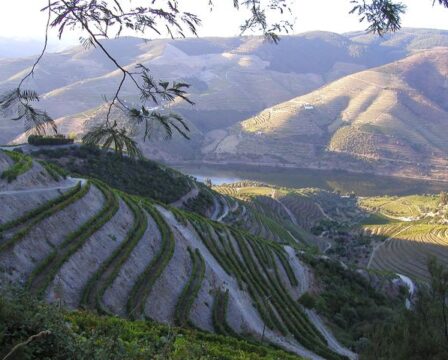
(22, 163)
(191, 289)
(105, 275)
(45, 272)
(32, 218)
(146, 280)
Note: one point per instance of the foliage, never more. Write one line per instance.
(382, 15)
(146, 280)
(420, 333)
(348, 301)
(308, 300)
(98, 283)
(137, 177)
(39, 140)
(202, 203)
(191, 289)
(85, 336)
(114, 138)
(219, 312)
(22, 163)
(54, 171)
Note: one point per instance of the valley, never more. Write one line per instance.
(304, 214)
(353, 103)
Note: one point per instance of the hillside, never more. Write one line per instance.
(389, 120)
(84, 244)
(232, 78)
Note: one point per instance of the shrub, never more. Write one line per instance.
(38, 140)
(307, 300)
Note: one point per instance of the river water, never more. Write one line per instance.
(360, 184)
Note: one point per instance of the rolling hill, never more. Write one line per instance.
(389, 120)
(234, 79)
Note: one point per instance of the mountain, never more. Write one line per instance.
(390, 120)
(233, 79)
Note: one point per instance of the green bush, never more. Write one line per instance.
(308, 300)
(38, 140)
(82, 335)
(135, 177)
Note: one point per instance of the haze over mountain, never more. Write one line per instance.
(234, 79)
(391, 120)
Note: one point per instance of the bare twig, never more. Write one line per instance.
(30, 339)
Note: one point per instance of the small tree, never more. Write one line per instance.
(443, 198)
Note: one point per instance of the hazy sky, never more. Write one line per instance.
(330, 15)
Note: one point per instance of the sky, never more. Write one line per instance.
(328, 15)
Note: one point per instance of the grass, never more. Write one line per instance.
(22, 163)
(190, 290)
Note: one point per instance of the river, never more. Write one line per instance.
(345, 182)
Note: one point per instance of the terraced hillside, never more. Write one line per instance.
(408, 247)
(410, 231)
(283, 214)
(229, 78)
(389, 120)
(84, 244)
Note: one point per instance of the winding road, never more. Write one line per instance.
(73, 182)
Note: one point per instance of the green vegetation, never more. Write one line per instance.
(35, 216)
(44, 273)
(135, 177)
(83, 335)
(143, 286)
(191, 289)
(22, 163)
(411, 206)
(220, 314)
(409, 246)
(348, 301)
(54, 171)
(94, 290)
(39, 140)
(202, 203)
(251, 261)
(419, 333)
